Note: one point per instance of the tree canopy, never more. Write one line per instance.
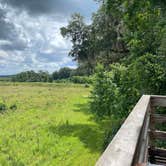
(128, 38)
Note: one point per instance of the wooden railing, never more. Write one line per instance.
(133, 145)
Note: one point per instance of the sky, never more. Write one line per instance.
(30, 36)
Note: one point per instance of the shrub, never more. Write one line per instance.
(62, 81)
(13, 107)
(3, 107)
(81, 79)
(149, 74)
(104, 97)
(117, 90)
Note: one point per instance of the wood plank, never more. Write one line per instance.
(157, 155)
(160, 158)
(141, 164)
(142, 147)
(161, 135)
(122, 148)
(152, 126)
(158, 152)
(158, 101)
(158, 118)
(159, 163)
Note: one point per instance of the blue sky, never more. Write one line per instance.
(30, 37)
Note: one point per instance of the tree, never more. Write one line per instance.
(64, 73)
(143, 22)
(79, 33)
(31, 76)
(108, 30)
(143, 70)
(55, 75)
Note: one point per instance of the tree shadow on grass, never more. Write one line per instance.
(84, 108)
(108, 126)
(90, 135)
(103, 122)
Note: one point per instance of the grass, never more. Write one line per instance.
(51, 126)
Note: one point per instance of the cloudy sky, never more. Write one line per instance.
(29, 33)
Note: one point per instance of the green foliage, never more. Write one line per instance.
(66, 80)
(81, 79)
(116, 91)
(105, 93)
(149, 74)
(31, 76)
(64, 73)
(141, 26)
(13, 107)
(113, 94)
(78, 75)
(3, 107)
(79, 33)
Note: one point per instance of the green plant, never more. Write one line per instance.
(3, 107)
(104, 97)
(81, 79)
(13, 107)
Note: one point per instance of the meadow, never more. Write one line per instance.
(50, 125)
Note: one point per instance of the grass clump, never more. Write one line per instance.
(3, 107)
(13, 107)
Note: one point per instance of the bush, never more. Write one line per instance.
(81, 79)
(107, 98)
(3, 107)
(105, 93)
(116, 91)
(149, 74)
(62, 81)
(13, 107)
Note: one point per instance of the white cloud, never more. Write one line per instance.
(30, 41)
(43, 46)
(3, 54)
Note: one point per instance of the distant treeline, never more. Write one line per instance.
(32, 76)
(63, 75)
(5, 77)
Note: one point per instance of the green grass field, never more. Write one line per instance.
(51, 126)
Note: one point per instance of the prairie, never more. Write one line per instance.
(49, 125)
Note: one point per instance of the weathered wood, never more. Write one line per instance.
(141, 164)
(121, 150)
(141, 154)
(158, 101)
(158, 161)
(156, 155)
(158, 152)
(130, 145)
(161, 135)
(158, 118)
(159, 158)
(152, 125)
